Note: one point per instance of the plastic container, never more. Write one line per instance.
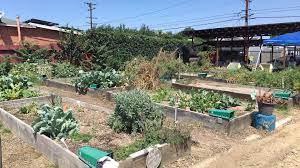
(91, 155)
(202, 75)
(265, 108)
(93, 86)
(225, 114)
(282, 94)
(264, 122)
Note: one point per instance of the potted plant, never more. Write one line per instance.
(266, 102)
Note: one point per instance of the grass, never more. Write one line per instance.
(4, 130)
(78, 137)
(283, 110)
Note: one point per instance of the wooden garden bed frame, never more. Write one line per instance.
(63, 157)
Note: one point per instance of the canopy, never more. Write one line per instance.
(289, 39)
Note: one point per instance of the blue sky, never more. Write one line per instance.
(176, 13)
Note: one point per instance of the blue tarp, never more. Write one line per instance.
(289, 39)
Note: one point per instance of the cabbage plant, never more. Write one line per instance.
(55, 123)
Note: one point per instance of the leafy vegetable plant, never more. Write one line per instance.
(103, 79)
(15, 87)
(55, 123)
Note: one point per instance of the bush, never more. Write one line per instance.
(64, 70)
(29, 70)
(15, 87)
(146, 74)
(112, 47)
(134, 110)
(5, 68)
(173, 134)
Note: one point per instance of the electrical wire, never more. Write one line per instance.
(182, 27)
(148, 13)
(189, 21)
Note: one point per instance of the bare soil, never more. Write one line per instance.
(17, 153)
(91, 122)
(280, 149)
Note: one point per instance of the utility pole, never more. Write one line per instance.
(91, 8)
(246, 47)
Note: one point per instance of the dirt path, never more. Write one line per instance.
(281, 149)
(17, 153)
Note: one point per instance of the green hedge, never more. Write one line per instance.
(113, 47)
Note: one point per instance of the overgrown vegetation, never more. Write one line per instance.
(53, 122)
(107, 47)
(102, 79)
(78, 137)
(174, 134)
(64, 70)
(32, 108)
(146, 74)
(284, 79)
(15, 87)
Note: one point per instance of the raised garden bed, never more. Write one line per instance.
(70, 87)
(213, 110)
(93, 131)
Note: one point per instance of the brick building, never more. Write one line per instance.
(42, 33)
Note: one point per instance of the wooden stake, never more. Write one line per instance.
(0, 153)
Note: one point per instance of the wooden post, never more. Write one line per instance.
(217, 52)
(0, 153)
(19, 30)
(284, 57)
(295, 48)
(272, 54)
(193, 41)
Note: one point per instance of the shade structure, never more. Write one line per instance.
(289, 39)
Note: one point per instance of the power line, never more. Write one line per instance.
(182, 27)
(91, 8)
(188, 21)
(147, 13)
(274, 17)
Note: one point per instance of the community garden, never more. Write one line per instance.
(137, 75)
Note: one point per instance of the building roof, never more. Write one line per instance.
(13, 23)
(41, 22)
(240, 31)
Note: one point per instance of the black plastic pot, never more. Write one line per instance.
(266, 108)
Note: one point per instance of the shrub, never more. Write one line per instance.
(55, 123)
(15, 87)
(5, 68)
(134, 110)
(32, 53)
(28, 70)
(111, 47)
(173, 134)
(64, 70)
(146, 74)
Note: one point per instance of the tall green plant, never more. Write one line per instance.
(134, 111)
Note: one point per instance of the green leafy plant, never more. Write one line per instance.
(64, 70)
(78, 137)
(15, 87)
(55, 123)
(29, 109)
(28, 70)
(102, 79)
(134, 109)
(5, 68)
(173, 134)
